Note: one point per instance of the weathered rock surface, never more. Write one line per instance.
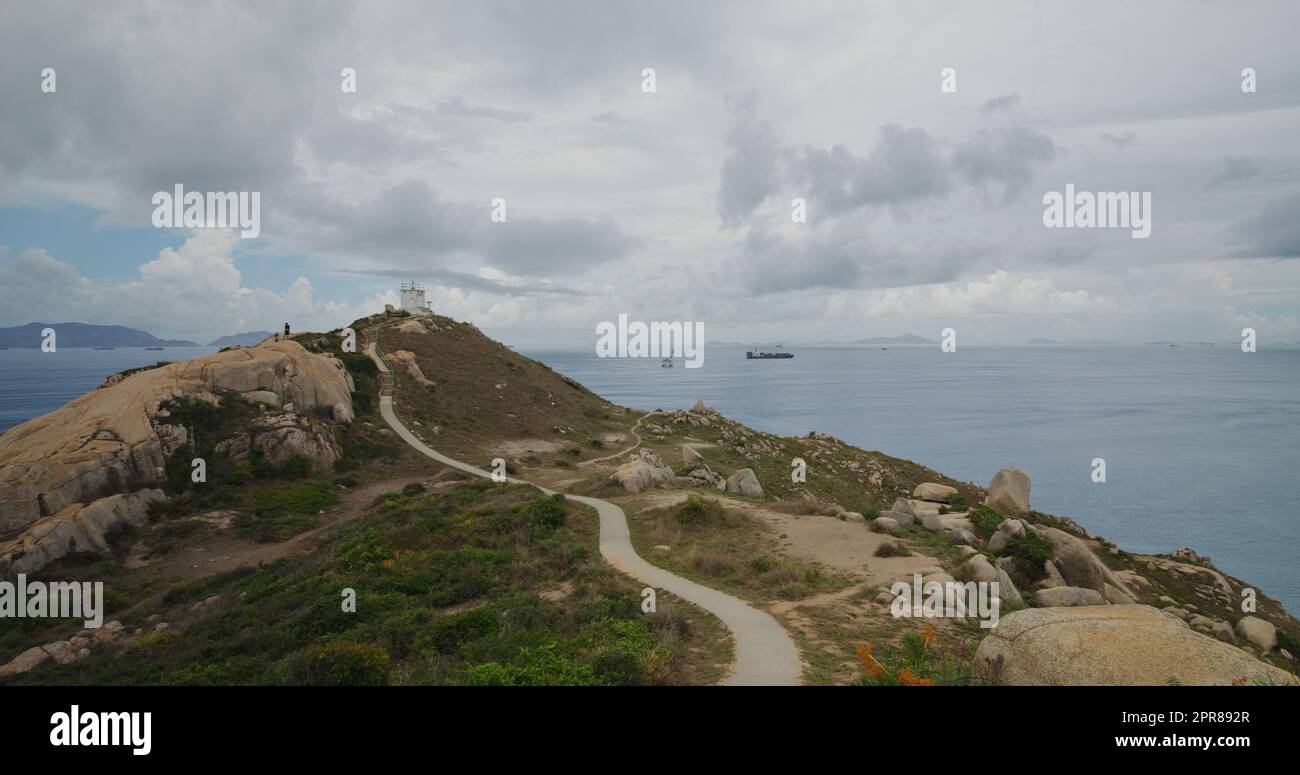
(280, 437)
(1258, 631)
(110, 442)
(1111, 645)
(1009, 529)
(929, 491)
(643, 471)
(978, 568)
(888, 525)
(702, 473)
(1077, 563)
(407, 360)
(77, 528)
(745, 482)
(691, 458)
(1009, 492)
(1068, 596)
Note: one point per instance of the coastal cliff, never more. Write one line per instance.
(70, 477)
(820, 553)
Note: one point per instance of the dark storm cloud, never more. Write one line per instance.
(842, 255)
(410, 221)
(1005, 102)
(1275, 232)
(751, 170)
(1002, 157)
(1121, 140)
(905, 166)
(1234, 168)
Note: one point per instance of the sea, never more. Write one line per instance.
(1201, 443)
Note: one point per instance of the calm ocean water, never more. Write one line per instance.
(34, 382)
(1200, 442)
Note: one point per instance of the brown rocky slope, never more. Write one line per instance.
(70, 477)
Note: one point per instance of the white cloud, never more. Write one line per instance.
(193, 292)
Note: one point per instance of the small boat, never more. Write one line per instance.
(755, 355)
(105, 348)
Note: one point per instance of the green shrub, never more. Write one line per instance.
(1030, 551)
(451, 632)
(986, 520)
(547, 513)
(541, 666)
(762, 563)
(303, 498)
(339, 664)
(414, 488)
(364, 553)
(888, 549)
(698, 511)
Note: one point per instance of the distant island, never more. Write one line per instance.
(246, 339)
(84, 335)
(904, 339)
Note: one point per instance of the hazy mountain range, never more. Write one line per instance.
(84, 335)
(246, 339)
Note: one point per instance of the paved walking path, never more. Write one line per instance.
(765, 654)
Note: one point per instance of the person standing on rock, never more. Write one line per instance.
(286, 330)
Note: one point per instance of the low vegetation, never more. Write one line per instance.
(475, 583)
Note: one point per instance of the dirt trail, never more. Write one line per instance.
(635, 427)
(226, 553)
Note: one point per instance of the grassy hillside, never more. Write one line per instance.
(462, 582)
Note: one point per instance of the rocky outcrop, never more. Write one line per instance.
(77, 528)
(929, 491)
(1257, 631)
(643, 471)
(112, 442)
(1007, 530)
(282, 436)
(1111, 645)
(745, 482)
(1009, 492)
(888, 525)
(1068, 596)
(406, 359)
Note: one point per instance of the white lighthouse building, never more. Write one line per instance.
(413, 299)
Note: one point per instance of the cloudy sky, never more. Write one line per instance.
(924, 207)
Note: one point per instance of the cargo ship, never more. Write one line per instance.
(756, 355)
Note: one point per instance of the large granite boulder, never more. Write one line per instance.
(643, 471)
(745, 482)
(1111, 645)
(1081, 568)
(1009, 492)
(1068, 596)
(1258, 631)
(929, 491)
(115, 441)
